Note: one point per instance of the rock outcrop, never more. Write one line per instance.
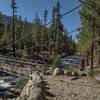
(33, 89)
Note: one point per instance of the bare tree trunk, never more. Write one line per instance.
(87, 60)
(83, 65)
(98, 59)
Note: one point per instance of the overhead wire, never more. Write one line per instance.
(67, 12)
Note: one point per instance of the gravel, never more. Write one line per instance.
(84, 88)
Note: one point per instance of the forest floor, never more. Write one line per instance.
(63, 88)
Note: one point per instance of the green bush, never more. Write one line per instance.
(93, 73)
(56, 62)
(72, 69)
(21, 83)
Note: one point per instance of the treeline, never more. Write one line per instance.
(89, 34)
(37, 38)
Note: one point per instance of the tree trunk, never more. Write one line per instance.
(83, 65)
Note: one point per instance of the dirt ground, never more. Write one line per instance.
(63, 88)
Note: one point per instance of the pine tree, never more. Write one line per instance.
(57, 27)
(90, 30)
(45, 17)
(36, 30)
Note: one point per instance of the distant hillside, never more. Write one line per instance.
(8, 20)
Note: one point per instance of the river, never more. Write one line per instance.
(71, 60)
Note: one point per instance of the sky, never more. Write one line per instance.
(28, 8)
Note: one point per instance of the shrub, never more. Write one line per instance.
(21, 83)
(56, 62)
(93, 73)
(71, 69)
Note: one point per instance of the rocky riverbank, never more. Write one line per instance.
(60, 87)
(33, 89)
(64, 88)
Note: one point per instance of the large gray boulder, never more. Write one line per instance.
(33, 89)
(36, 94)
(57, 71)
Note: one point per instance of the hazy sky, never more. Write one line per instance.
(28, 8)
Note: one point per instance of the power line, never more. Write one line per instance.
(67, 13)
(72, 10)
(75, 30)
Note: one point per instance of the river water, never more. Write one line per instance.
(71, 60)
(7, 83)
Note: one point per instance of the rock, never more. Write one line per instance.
(97, 78)
(15, 91)
(48, 72)
(73, 73)
(57, 71)
(34, 76)
(35, 94)
(65, 72)
(75, 78)
(82, 73)
(39, 82)
(35, 97)
(76, 74)
(33, 89)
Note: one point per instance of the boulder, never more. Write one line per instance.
(57, 71)
(33, 89)
(97, 78)
(35, 94)
(34, 77)
(75, 78)
(73, 73)
(65, 72)
(82, 73)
